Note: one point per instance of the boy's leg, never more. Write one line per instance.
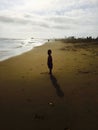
(50, 71)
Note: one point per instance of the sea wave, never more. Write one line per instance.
(13, 47)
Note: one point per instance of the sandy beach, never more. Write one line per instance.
(31, 99)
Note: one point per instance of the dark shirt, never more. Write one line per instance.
(49, 62)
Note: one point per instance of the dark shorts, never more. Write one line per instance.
(50, 66)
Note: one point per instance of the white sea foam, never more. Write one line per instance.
(13, 47)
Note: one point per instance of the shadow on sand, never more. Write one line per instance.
(56, 85)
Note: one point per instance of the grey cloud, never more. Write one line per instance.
(6, 19)
(62, 19)
(23, 21)
(52, 22)
(64, 27)
(15, 20)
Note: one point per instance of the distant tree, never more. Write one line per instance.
(72, 39)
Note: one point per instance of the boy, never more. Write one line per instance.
(49, 61)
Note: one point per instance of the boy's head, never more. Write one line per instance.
(49, 52)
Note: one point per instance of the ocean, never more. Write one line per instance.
(13, 47)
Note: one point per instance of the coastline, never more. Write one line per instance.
(32, 99)
(14, 47)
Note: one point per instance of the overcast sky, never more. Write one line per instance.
(48, 18)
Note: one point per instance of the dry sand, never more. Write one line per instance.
(31, 99)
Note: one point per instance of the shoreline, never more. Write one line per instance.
(30, 98)
(19, 47)
(20, 54)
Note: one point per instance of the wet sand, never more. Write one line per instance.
(31, 99)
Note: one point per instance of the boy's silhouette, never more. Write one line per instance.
(49, 61)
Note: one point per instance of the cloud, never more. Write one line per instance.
(46, 22)
(60, 16)
(24, 20)
(62, 19)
